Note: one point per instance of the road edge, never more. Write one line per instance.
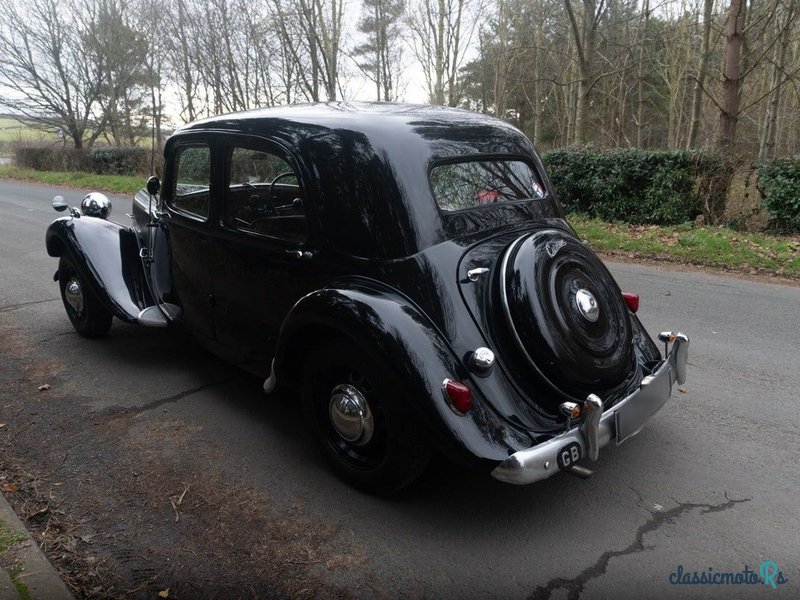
(42, 581)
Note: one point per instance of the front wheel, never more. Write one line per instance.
(88, 316)
(361, 419)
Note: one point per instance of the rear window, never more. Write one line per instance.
(468, 184)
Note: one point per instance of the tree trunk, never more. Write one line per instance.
(729, 113)
(697, 100)
(731, 77)
(640, 77)
(769, 134)
(585, 36)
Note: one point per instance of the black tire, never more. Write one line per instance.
(92, 319)
(396, 453)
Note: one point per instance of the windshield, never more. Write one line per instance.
(461, 185)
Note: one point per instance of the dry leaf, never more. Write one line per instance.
(9, 488)
(44, 387)
(2, 425)
(164, 593)
(682, 390)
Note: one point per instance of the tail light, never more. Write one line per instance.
(632, 300)
(457, 395)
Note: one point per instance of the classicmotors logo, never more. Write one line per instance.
(767, 574)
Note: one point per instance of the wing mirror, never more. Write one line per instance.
(153, 185)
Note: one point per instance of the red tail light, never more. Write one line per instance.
(458, 395)
(632, 300)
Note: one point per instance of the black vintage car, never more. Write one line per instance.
(408, 270)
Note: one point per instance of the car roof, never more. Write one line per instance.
(370, 163)
(353, 116)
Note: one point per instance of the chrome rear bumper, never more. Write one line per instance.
(619, 422)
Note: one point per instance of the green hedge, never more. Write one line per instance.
(104, 161)
(48, 158)
(779, 186)
(118, 161)
(632, 185)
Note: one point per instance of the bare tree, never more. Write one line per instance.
(381, 54)
(43, 62)
(118, 48)
(312, 33)
(441, 32)
(584, 31)
(777, 79)
(702, 71)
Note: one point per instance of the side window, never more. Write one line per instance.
(264, 195)
(192, 180)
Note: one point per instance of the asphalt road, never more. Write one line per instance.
(134, 421)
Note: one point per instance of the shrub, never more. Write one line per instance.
(119, 161)
(779, 186)
(49, 158)
(632, 185)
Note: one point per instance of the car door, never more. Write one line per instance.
(186, 221)
(264, 258)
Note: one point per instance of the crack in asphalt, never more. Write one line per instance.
(137, 410)
(575, 585)
(10, 307)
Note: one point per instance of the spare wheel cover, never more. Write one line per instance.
(566, 313)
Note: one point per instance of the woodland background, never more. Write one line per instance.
(714, 76)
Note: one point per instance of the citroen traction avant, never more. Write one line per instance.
(407, 270)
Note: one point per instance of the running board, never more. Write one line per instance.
(159, 316)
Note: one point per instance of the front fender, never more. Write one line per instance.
(385, 324)
(106, 255)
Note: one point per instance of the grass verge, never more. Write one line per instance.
(9, 537)
(716, 247)
(121, 184)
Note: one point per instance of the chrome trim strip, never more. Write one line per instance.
(534, 464)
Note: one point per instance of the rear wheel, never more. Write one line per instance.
(88, 316)
(361, 420)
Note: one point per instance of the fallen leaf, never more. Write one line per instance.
(682, 390)
(9, 488)
(164, 593)
(2, 425)
(43, 387)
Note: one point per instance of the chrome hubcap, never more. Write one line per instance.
(587, 305)
(74, 294)
(350, 415)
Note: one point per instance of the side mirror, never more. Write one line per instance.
(59, 204)
(153, 185)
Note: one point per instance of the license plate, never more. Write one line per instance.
(568, 455)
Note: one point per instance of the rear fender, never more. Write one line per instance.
(385, 324)
(106, 255)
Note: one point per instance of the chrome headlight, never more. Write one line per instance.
(96, 205)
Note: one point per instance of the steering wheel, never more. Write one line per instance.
(274, 181)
